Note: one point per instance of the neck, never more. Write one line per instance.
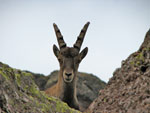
(68, 91)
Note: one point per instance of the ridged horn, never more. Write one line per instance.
(80, 38)
(59, 36)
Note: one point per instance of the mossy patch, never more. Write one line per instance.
(4, 75)
(17, 77)
(139, 58)
(5, 71)
(26, 74)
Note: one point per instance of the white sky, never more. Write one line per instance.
(117, 29)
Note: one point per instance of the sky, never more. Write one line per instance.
(117, 29)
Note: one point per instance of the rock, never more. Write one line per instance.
(88, 86)
(19, 94)
(128, 91)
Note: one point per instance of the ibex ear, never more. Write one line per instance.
(56, 50)
(83, 53)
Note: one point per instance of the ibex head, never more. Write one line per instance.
(69, 57)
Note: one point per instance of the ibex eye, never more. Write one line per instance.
(59, 60)
(77, 61)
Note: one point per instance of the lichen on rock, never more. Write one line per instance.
(19, 94)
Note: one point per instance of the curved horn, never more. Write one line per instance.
(60, 39)
(81, 36)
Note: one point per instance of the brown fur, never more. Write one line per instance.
(69, 59)
(65, 91)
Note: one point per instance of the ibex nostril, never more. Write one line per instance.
(68, 74)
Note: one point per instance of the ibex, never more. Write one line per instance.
(69, 59)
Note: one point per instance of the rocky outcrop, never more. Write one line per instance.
(88, 86)
(19, 94)
(128, 91)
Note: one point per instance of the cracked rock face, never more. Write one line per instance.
(128, 91)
